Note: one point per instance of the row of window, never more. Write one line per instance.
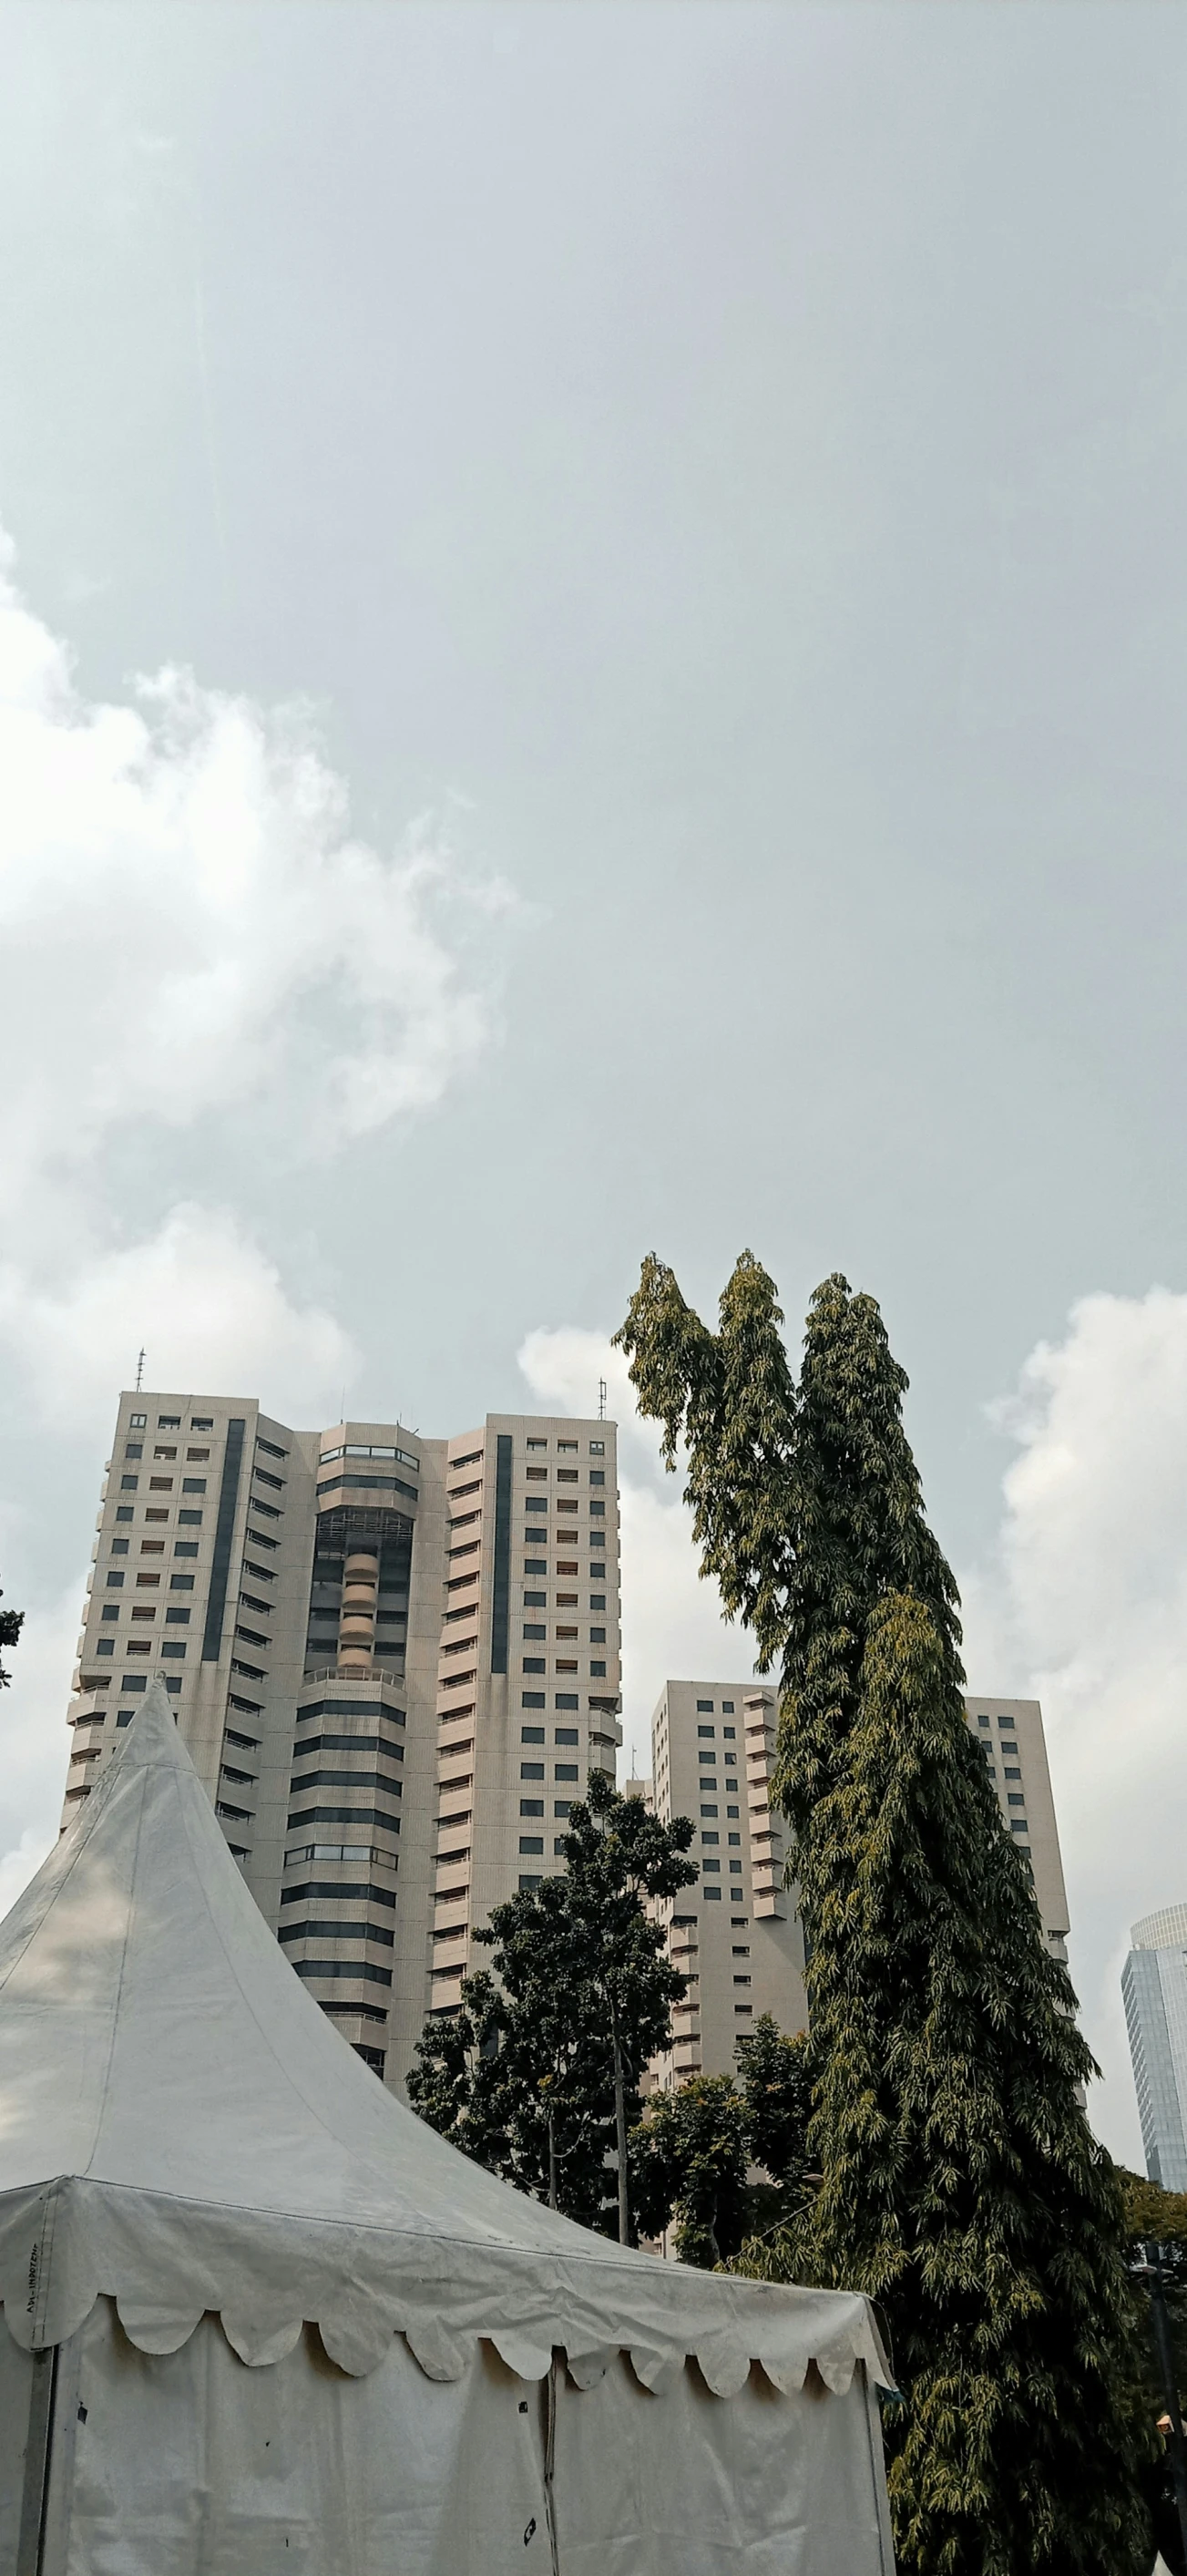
(172, 1422)
(163, 1484)
(536, 1628)
(567, 1538)
(563, 1664)
(195, 1457)
(564, 1476)
(564, 1600)
(537, 1699)
(597, 1448)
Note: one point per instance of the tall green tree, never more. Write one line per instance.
(11, 1624)
(960, 2184)
(538, 2075)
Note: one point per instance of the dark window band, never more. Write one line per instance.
(501, 1586)
(224, 1528)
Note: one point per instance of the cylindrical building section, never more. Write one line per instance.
(356, 1623)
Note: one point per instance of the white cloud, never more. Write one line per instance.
(190, 927)
(207, 1304)
(672, 1622)
(191, 935)
(1085, 1607)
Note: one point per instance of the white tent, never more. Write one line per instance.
(258, 2318)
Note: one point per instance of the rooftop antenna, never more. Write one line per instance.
(139, 1372)
(601, 1399)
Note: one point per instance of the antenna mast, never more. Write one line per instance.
(139, 1372)
(601, 1399)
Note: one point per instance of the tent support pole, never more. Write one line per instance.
(550, 2464)
(38, 2443)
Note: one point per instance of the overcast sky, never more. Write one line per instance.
(594, 659)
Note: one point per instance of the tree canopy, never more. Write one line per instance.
(538, 2074)
(960, 2184)
(693, 2149)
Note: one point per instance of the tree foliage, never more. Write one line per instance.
(692, 2152)
(523, 2077)
(11, 1624)
(960, 2184)
(689, 2158)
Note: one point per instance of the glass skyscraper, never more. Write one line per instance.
(1154, 1985)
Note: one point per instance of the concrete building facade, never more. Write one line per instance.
(735, 1935)
(393, 1660)
(1154, 1989)
(1010, 1734)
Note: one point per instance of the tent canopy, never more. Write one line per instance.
(183, 2130)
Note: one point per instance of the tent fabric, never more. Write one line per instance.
(184, 2132)
(169, 2472)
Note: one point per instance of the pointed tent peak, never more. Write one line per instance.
(154, 1735)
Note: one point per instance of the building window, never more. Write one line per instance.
(727, 1710)
(202, 1422)
(532, 1699)
(133, 1448)
(190, 1520)
(105, 1645)
(534, 1628)
(597, 1448)
(537, 1444)
(531, 1735)
(597, 1672)
(123, 1511)
(138, 1421)
(597, 1475)
(531, 1807)
(567, 1445)
(565, 1735)
(196, 1484)
(531, 1843)
(709, 1811)
(710, 1838)
(565, 1771)
(168, 1421)
(566, 1699)
(532, 1770)
(706, 1730)
(129, 1485)
(534, 1664)
(115, 1582)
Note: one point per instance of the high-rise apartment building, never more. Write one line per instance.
(393, 1660)
(1010, 1734)
(735, 1935)
(1154, 1987)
